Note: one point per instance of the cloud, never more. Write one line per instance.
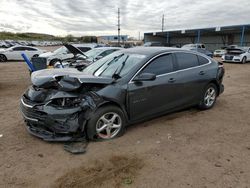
(97, 17)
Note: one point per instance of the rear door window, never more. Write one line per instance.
(18, 49)
(202, 60)
(160, 65)
(186, 60)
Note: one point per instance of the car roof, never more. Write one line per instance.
(151, 50)
(89, 45)
(108, 48)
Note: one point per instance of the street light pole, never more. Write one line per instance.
(119, 29)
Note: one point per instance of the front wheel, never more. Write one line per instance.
(244, 60)
(209, 97)
(107, 123)
(54, 61)
(3, 58)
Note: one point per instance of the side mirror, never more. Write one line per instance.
(145, 77)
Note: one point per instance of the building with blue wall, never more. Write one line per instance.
(213, 38)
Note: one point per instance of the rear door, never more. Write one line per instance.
(151, 97)
(30, 52)
(192, 77)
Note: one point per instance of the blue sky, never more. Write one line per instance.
(99, 17)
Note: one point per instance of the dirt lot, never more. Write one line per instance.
(186, 149)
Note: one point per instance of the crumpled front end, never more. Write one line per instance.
(57, 115)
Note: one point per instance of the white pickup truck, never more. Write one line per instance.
(199, 48)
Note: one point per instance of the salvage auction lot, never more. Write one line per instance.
(190, 148)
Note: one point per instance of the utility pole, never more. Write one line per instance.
(119, 25)
(162, 23)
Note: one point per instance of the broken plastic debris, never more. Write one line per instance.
(158, 142)
(169, 136)
(1, 135)
(127, 181)
(76, 147)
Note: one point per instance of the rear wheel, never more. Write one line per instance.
(209, 97)
(107, 123)
(244, 60)
(3, 58)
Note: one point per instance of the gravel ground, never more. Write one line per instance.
(190, 148)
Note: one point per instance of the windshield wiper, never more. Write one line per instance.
(117, 72)
(107, 65)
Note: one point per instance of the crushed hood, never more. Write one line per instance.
(68, 78)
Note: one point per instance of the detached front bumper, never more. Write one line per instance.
(50, 123)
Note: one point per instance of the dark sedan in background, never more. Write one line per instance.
(125, 87)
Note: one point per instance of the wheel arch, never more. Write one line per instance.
(217, 86)
(110, 103)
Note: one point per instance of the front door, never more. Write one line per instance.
(147, 98)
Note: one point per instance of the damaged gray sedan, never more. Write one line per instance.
(125, 87)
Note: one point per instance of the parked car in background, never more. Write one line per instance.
(82, 60)
(148, 44)
(219, 52)
(98, 53)
(237, 54)
(14, 53)
(63, 53)
(125, 87)
(199, 48)
(3, 44)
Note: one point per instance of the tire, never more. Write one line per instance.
(3, 58)
(244, 60)
(209, 97)
(53, 61)
(96, 128)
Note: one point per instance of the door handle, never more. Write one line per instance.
(201, 72)
(171, 80)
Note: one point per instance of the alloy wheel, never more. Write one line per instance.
(210, 97)
(108, 125)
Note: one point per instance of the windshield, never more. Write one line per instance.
(61, 50)
(115, 63)
(93, 53)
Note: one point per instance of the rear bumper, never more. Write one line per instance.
(53, 126)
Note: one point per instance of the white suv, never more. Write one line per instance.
(241, 55)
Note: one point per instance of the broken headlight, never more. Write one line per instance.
(67, 102)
